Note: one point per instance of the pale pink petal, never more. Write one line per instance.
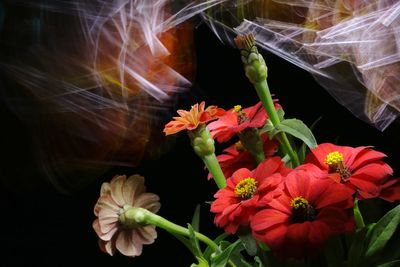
(107, 220)
(106, 236)
(133, 187)
(105, 202)
(107, 246)
(105, 189)
(147, 234)
(96, 227)
(128, 243)
(117, 184)
(148, 201)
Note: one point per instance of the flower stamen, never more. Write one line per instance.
(335, 162)
(302, 210)
(239, 146)
(237, 108)
(333, 159)
(246, 188)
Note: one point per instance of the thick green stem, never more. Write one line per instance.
(256, 71)
(265, 96)
(144, 216)
(214, 168)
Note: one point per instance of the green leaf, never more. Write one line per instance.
(357, 247)
(382, 232)
(209, 250)
(281, 114)
(268, 128)
(390, 264)
(257, 262)
(249, 244)
(333, 252)
(194, 243)
(297, 129)
(303, 149)
(391, 251)
(222, 258)
(196, 218)
(202, 263)
(264, 246)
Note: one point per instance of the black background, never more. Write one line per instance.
(41, 227)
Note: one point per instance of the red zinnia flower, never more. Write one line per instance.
(236, 156)
(190, 120)
(236, 120)
(360, 168)
(305, 215)
(241, 198)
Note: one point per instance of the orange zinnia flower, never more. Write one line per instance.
(190, 120)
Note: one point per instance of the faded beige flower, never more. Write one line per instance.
(114, 228)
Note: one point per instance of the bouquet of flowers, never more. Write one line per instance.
(282, 199)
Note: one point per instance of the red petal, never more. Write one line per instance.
(241, 174)
(366, 156)
(265, 219)
(267, 167)
(318, 154)
(297, 183)
(391, 190)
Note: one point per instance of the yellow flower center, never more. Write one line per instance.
(246, 188)
(237, 108)
(239, 146)
(299, 203)
(333, 159)
(302, 210)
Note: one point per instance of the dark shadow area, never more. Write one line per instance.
(43, 227)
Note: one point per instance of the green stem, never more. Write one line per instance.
(358, 216)
(146, 217)
(215, 169)
(264, 94)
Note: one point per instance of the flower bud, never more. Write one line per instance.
(202, 141)
(254, 65)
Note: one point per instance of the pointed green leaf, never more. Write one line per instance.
(333, 252)
(281, 114)
(391, 251)
(196, 218)
(222, 258)
(257, 262)
(297, 129)
(357, 247)
(268, 128)
(249, 244)
(383, 231)
(390, 264)
(194, 242)
(202, 263)
(303, 149)
(208, 251)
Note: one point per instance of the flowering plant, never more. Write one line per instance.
(283, 199)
